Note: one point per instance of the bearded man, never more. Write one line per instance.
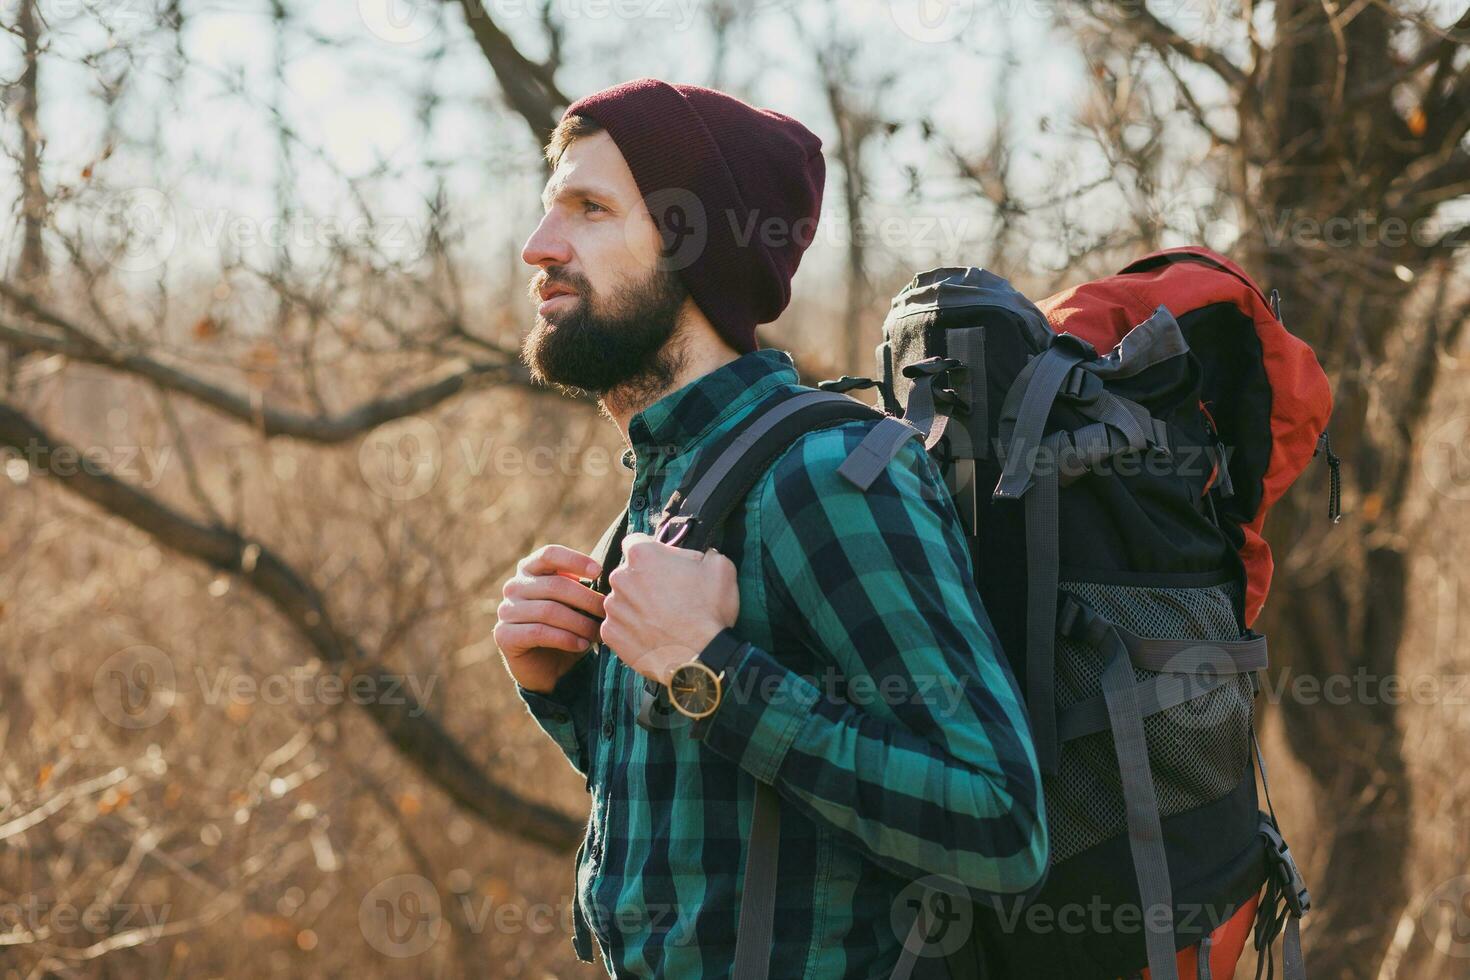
(934, 778)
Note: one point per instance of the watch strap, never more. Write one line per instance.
(722, 652)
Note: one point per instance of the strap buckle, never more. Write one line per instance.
(938, 368)
(1283, 866)
(1081, 387)
(673, 528)
(847, 383)
(931, 365)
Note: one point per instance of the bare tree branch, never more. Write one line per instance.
(1137, 19)
(251, 408)
(529, 88)
(417, 735)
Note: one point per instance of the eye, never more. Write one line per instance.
(592, 207)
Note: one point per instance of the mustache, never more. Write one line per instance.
(560, 276)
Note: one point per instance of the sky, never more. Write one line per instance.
(199, 150)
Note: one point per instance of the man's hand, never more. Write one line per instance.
(545, 618)
(666, 603)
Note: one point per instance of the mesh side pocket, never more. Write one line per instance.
(1199, 750)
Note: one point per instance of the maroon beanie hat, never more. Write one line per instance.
(735, 191)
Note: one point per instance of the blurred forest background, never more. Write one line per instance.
(267, 453)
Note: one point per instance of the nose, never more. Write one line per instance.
(546, 246)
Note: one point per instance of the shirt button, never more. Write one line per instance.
(639, 501)
(607, 729)
(561, 716)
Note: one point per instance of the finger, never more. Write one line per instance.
(555, 559)
(561, 589)
(515, 639)
(552, 614)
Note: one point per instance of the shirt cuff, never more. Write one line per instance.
(762, 706)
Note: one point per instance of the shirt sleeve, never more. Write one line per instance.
(565, 711)
(924, 759)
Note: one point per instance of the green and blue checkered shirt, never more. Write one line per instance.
(872, 696)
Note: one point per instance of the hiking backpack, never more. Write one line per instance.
(1112, 453)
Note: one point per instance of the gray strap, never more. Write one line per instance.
(608, 546)
(968, 440)
(758, 894)
(909, 954)
(1157, 694)
(1293, 965)
(1202, 959)
(921, 413)
(1196, 656)
(1141, 804)
(1043, 564)
(1046, 379)
(872, 456)
(695, 501)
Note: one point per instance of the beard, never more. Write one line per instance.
(621, 347)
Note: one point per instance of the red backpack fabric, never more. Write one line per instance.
(1249, 355)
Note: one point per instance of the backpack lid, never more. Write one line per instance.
(1266, 392)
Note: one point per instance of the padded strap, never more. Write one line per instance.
(725, 471)
(758, 894)
(719, 468)
(1141, 805)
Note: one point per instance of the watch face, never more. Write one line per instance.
(694, 690)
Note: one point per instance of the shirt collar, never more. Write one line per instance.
(681, 418)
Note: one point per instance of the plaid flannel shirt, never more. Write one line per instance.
(872, 696)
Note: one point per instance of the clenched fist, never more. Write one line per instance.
(666, 603)
(547, 620)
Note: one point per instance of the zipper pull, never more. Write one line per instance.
(1334, 477)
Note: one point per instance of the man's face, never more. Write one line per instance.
(606, 309)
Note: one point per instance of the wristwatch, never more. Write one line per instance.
(695, 688)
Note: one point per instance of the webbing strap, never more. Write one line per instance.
(758, 894)
(609, 550)
(1293, 965)
(921, 412)
(1202, 960)
(909, 954)
(872, 456)
(1043, 565)
(608, 554)
(1154, 695)
(1052, 366)
(968, 440)
(1141, 804)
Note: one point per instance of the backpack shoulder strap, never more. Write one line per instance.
(726, 471)
(694, 517)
